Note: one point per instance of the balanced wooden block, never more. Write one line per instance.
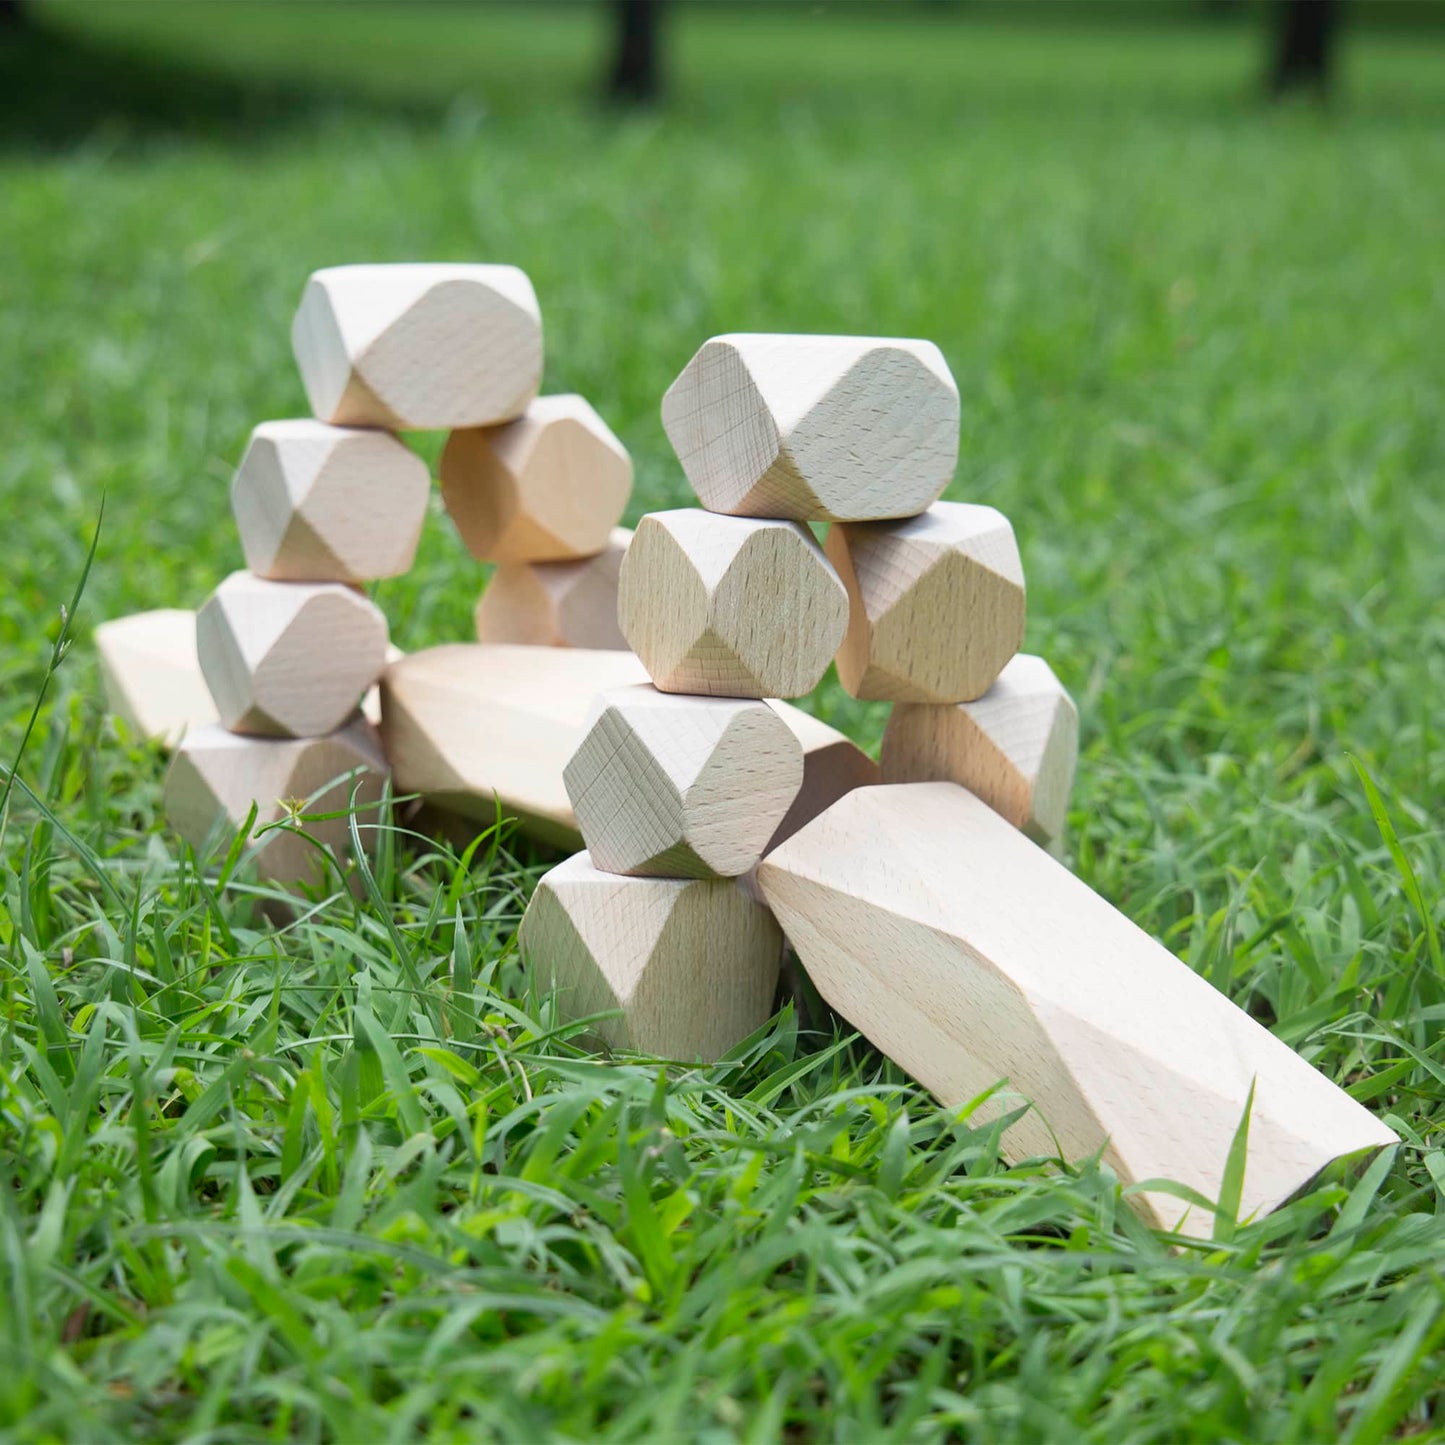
(832, 766)
(418, 346)
(816, 428)
(681, 787)
(556, 604)
(216, 777)
(969, 956)
(1016, 747)
(474, 727)
(936, 603)
(288, 659)
(728, 606)
(687, 967)
(152, 674)
(318, 503)
(549, 487)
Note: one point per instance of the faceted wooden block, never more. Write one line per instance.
(681, 787)
(217, 775)
(549, 487)
(418, 346)
(833, 765)
(318, 503)
(152, 674)
(288, 659)
(973, 959)
(1016, 747)
(729, 606)
(816, 428)
(691, 964)
(936, 603)
(556, 604)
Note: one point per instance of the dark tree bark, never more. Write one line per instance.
(1304, 53)
(636, 74)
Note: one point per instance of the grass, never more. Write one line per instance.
(347, 1180)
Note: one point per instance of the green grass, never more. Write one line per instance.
(347, 1180)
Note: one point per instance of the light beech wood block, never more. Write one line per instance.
(216, 777)
(673, 786)
(549, 487)
(418, 346)
(688, 968)
(152, 674)
(1016, 747)
(556, 604)
(816, 428)
(833, 765)
(318, 503)
(730, 606)
(970, 956)
(288, 659)
(470, 725)
(936, 603)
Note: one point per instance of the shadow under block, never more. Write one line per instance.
(418, 346)
(152, 674)
(471, 724)
(730, 606)
(288, 659)
(671, 786)
(318, 503)
(691, 964)
(548, 487)
(556, 604)
(1016, 747)
(969, 956)
(216, 776)
(936, 603)
(815, 428)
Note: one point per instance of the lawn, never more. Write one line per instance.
(346, 1180)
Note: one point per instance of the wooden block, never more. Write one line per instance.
(1016, 747)
(217, 775)
(418, 346)
(673, 786)
(549, 487)
(692, 964)
(318, 503)
(556, 604)
(969, 956)
(816, 428)
(936, 603)
(730, 606)
(833, 765)
(288, 659)
(152, 674)
(468, 725)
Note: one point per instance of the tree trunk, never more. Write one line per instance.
(636, 75)
(1304, 52)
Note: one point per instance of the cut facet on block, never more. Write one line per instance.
(730, 606)
(681, 787)
(419, 346)
(318, 503)
(815, 428)
(688, 967)
(971, 957)
(152, 674)
(832, 766)
(556, 604)
(936, 603)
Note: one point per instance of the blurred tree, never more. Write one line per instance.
(636, 74)
(1304, 51)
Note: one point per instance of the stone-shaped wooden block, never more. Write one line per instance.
(974, 960)
(556, 604)
(319, 503)
(152, 673)
(418, 346)
(730, 606)
(1016, 747)
(816, 428)
(216, 776)
(673, 786)
(833, 764)
(288, 659)
(548, 487)
(936, 603)
(687, 967)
